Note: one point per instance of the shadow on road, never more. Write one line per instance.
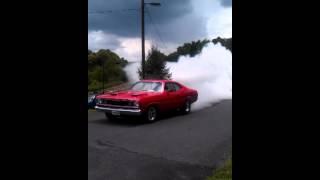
(136, 121)
(119, 122)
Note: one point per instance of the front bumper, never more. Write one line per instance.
(126, 112)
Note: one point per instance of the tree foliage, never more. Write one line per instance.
(226, 42)
(112, 70)
(155, 66)
(195, 47)
(190, 49)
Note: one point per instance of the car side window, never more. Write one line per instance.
(169, 87)
(176, 86)
(166, 87)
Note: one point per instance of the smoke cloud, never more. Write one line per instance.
(210, 73)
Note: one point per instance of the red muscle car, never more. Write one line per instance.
(147, 98)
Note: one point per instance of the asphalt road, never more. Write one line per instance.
(175, 147)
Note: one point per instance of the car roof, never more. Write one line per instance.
(157, 80)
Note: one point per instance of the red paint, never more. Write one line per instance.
(163, 100)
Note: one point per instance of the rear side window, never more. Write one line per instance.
(172, 86)
(169, 87)
(176, 86)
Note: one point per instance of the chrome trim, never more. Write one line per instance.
(117, 109)
(117, 106)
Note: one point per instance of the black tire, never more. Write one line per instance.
(151, 114)
(186, 109)
(110, 117)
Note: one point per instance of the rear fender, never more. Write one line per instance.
(192, 98)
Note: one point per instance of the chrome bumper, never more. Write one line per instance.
(130, 112)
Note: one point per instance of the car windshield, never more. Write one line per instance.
(146, 86)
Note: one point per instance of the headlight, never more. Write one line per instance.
(99, 101)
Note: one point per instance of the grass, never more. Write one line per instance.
(223, 173)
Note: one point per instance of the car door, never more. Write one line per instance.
(171, 96)
(179, 96)
(167, 103)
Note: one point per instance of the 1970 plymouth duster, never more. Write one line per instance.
(147, 98)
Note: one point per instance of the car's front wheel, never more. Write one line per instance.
(151, 114)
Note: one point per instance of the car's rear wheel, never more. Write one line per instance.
(152, 114)
(186, 109)
(110, 117)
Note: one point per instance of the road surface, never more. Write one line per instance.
(176, 147)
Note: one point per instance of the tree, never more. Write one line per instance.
(227, 43)
(105, 66)
(155, 66)
(191, 49)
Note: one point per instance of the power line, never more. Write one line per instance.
(156, 29)
(112, 11)
(154, 38)
(150, 33)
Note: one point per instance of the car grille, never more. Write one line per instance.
(117, 102)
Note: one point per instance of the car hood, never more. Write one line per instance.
(128, 95)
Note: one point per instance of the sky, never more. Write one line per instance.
(116, 24)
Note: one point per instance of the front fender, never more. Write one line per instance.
(145, 106)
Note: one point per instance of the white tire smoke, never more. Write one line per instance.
(210, 73)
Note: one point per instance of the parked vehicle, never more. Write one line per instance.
(147, 98)
(91, 101)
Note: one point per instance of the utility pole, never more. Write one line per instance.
(142, 35)
(142, 39)
(102, 76)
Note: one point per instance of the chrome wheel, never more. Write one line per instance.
(187, 108)
(152, 114)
